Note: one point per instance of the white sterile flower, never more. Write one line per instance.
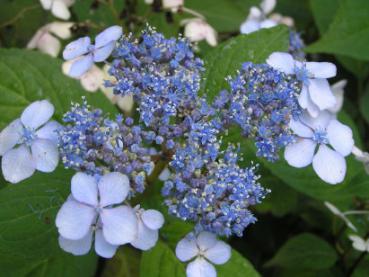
(280, 19)
(206, 249)
(197, 29)
(29, 143)
(149, 223)
(333, 140)
(59, 8)
(255, 21)
(361, 157)
(359, 243)
(316, 95)
(338, 92)
(92, 207)
(340, 214)
(45, 41)
(172, 5)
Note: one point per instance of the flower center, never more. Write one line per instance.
(29, 135)
(302, 74)
(320, 136)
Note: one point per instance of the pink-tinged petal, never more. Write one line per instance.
(321, 94)
(102, 53)
(300, 129)
(49, 131)
(84, 189)
(322, 70)
(329, 165)
(282, 61)
(268, 5)
(110, 34)
(93, 79)
(153, 219)
(300, 153)
(317, 123)
(81, 66)
(77, 247)
(146, 238)
(220, 253)
(45, 154)
(186, 249)
(37, 114)
(74, 219)
(119, 225)
(10, 136)
(17, 164)
(48, 44)
(250, 26)
(340, 137)
(61, 29)
(102, 247)
(200, 268)
(60, 10)
(77, 48)
(206, 240)
(113, 188)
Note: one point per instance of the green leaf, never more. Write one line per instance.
(349, 32)
(228, 57)
(125, 263)
(305, 252)
(27, 76)
(161, 261)
(237, 266)
(226, 15)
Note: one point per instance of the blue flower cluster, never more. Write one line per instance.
(94, 144)
(262, 102)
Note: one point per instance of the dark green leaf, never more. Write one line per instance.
(364, 105)
(237, 266)
(125, 263)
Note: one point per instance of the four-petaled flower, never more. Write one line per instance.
(324, 130)
(26, 146)
(206, 248)
(316, 95)
(84, 54)
(92, 207)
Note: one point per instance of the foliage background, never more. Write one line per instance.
(295, 235)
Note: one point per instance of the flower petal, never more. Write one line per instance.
(74, 219)
(220, 253)
(249, 26)
(10, 136)
(102, 53)
(153, 219)
(110, 34)
(200, 268)
(282, 61)
(119, 225)
(300, 129)
(358, 243)
(300, 154)
(306, 103)
(60, 10)
(61, 29)
(93, 79)
(81, 66)
(45, 154)
(76, 48)
(113, 188)
(206, 240)
(17, 164)
(37, 114)
(340, 137)
(49, 44)
(317, 123)
(267, 5)
(329, 165)
(77, 247)
(49, 131)
(322, 70)
(46, 4)
(321, 94)
(268, 23)
(84, 189)
(146, 238)
(186, 249)
(338, 92)
(102, 247)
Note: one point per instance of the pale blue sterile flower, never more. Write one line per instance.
(84, 54)
(92, 208)
(334, 140)
(206, 249)
(29, 143)
(316, 95)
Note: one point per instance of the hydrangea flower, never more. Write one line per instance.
(149, 223)
(359, 243)
(206, 249)
(92, 207)
(197, 29)
(59, 8)
(29, 143)
(333, 139)
(316, 94)
(85, 54)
